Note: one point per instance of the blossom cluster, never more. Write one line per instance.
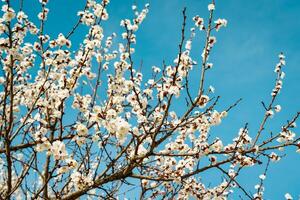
(83, 119)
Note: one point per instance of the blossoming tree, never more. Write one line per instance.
(82, 122)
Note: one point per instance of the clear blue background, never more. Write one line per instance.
(244, 59)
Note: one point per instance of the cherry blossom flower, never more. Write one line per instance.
(203, 100)
(277, 108)
(58, 149)
(81, 130)
(211, 7)
(219, 23)
(288, 196)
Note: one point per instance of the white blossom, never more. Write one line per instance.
(211, 7)
(288, 196)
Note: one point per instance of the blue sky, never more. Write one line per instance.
(244, 59)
